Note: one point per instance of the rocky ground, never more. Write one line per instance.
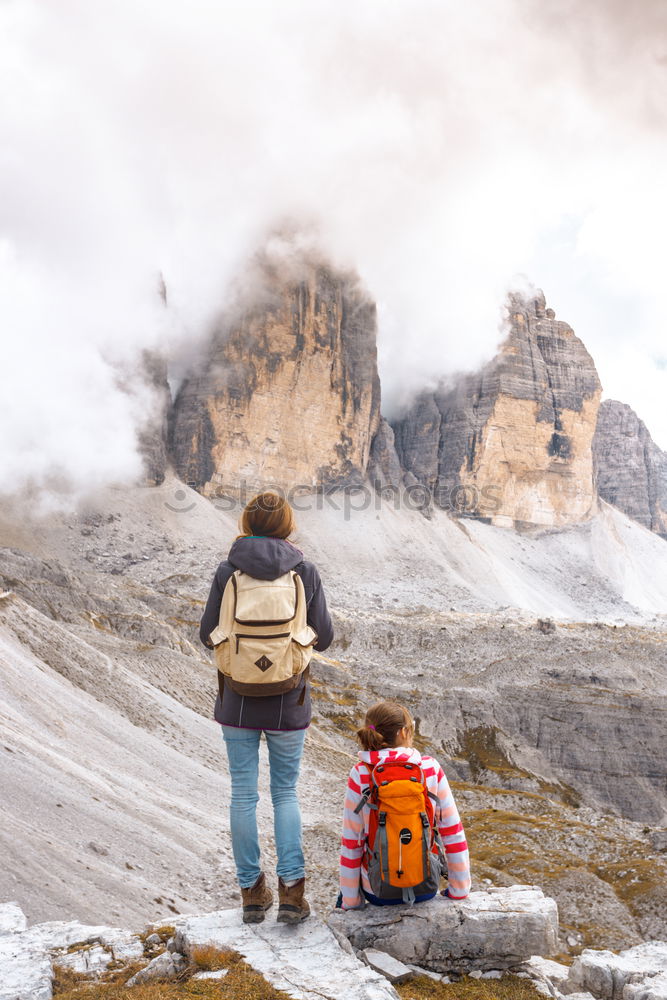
(114, 781)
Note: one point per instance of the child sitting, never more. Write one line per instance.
(387, 752)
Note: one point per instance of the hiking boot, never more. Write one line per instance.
(256, 901)
(293, 907)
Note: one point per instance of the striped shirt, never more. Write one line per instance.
(353, 873)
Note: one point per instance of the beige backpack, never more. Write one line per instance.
(262, 642)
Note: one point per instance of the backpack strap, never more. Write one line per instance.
(366, 794)
(305, 674)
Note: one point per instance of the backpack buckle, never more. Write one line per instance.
(382, 819)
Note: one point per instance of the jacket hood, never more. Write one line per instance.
(264, 558)
(372, 757)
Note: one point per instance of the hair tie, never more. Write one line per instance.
(370, 726)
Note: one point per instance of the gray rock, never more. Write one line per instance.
(12, 919)
(154, 940)
(417, 437)
(98, 849)
(545, 970)
(305, 961)
(211, 974)
(630, 469)
(419, 971)
(658, 840)
(639, 973)
(384, 467)
(167, 966)
(488, 930)
(390, 968)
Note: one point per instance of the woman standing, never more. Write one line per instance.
(263, 552)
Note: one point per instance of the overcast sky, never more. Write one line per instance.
(446, 151)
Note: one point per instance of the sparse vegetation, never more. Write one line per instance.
(241, 982)
(507, 988)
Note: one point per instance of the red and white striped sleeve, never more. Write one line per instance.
(353, 840)
(451, 830)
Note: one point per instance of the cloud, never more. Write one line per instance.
(439, 148)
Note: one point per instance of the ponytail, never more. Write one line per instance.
(382, 725)
(370, 739)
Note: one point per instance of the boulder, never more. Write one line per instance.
(166, 966)
(549, 977)
(658, 840)
(306, 961)
(387, 966)
(12, 919)
(495, 929)
(639, 973)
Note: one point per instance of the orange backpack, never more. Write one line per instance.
(404, 853)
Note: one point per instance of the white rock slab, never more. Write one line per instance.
(212, 974)
(25, 971)
(88, 961)
(58, 935)
(390, 968)
(27, 956)
(607, 975)
(61, 934)
(306, 961)
(653, 988)
(12, 919)
(494, 929)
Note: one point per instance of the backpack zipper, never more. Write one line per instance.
(246, 635)
(250, 621)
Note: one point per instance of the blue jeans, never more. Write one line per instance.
(285, 750)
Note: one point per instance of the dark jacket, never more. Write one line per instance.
(266, 559)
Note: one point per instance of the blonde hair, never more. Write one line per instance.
(382, 725)
(268, 514)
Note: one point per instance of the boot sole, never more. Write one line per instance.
(255, 915)
(291, 917)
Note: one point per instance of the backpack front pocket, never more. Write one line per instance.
(261, 658)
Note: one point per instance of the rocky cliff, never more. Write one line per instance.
(512, 442)
(288, 391)
(152, 434)
(630, 469)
